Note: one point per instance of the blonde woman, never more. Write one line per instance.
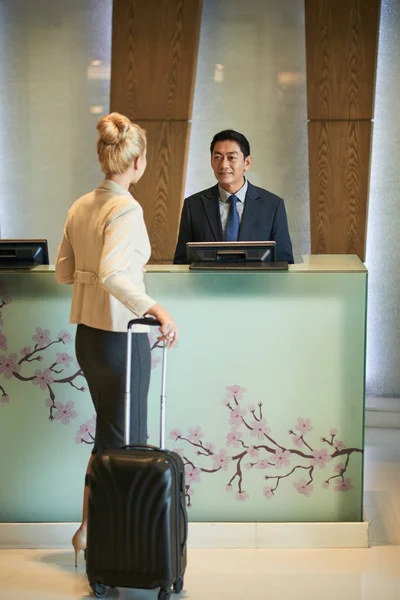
(103, 253)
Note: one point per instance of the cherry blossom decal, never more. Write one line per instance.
(37, 364)
(250, 445)
(86, 432)
(155, 358)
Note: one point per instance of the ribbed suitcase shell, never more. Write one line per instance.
(137, 519)
(137, 525)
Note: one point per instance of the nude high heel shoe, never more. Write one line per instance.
(79, 543)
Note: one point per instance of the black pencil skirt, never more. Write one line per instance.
(102, 358)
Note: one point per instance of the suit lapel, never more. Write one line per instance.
(250, 214)
(211, 207)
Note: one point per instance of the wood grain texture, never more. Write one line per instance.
(161, 189)
(339, 158)
(154, 56)
(341, 50)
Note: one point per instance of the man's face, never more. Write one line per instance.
(229, 165)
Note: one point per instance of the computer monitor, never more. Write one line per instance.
(23, 254)
(230, 252)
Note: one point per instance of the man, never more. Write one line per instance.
(233, 210)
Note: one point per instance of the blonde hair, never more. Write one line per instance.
(119, 143)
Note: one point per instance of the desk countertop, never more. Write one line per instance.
(317, 263)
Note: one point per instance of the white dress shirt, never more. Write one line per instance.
(103, 251)
(224, 204)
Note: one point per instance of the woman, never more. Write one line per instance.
(103, 253)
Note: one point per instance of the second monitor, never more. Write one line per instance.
(233, 255)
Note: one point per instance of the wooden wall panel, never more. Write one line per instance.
(341, 57)
(341, 50)
(339, 153)
(153, 69)
(161, 189)
(154, 54)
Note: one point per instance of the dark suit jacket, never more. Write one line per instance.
(264, 219)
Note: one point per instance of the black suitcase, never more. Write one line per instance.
(137, 520)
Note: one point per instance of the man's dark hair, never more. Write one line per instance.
(232, 136)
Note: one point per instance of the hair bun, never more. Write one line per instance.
(113, 128)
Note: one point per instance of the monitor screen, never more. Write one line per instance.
(233, 252)
(23, 254)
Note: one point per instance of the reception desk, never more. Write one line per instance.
(265, 393)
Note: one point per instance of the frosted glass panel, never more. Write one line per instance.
(251, 77)
(255, 417)
(383, 239)
(54, 86)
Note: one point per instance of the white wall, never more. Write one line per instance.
(260, 90)
(48, 88)
(383, 238)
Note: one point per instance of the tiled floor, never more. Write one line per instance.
(365, 574)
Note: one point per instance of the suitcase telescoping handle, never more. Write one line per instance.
(127, 429)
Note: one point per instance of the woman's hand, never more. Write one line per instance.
(169, 329)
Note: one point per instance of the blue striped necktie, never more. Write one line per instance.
(232, 225)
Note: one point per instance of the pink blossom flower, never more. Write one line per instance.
(321, 458)
(343, 486)
(43, 378)
(195, 434)
(9, 365)
(192, 475)
(338, 468)
(268, 493)
(5, 398)
(226, 402)
(190, 491)
(42, 337)
(282, 458)
(209, 446)
(221, 460)
(242, 496)
(339, 445)
(3, 342)
(25, 350)
(236, 417)
(229, 488)
(88, 429)
(65, 336)
(298, 441)
(251, 451)
(64, 359)
(259, 429)
(235, 390)
(332, 431)
(248, 466)
(65, 412)
(252, 408)
(78, 439)
(233, 438)
(325, 485)
(263, 463)
(155, 360)
(303, 487)
(175, 434)
(179, 451)
(303, 425)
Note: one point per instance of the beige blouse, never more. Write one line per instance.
(103, 251)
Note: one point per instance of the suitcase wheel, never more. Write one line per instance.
(164, 594)
(178, 585)
(99, 589)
